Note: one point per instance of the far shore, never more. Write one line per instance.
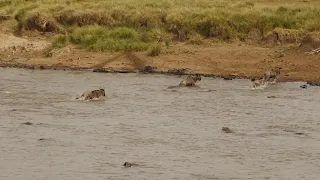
(226, 60)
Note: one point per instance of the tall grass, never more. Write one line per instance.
(99, 38)
(135, 24)
(60, 41)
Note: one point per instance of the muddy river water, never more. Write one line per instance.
(169, 133)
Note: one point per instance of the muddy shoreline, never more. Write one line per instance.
(177, 72)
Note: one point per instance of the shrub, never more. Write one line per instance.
(155, 50)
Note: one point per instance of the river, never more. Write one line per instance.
(169, 133)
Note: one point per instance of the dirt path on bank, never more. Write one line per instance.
(219, 59)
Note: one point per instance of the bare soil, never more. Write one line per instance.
(236, 59)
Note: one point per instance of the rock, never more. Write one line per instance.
(304, 86)
(111, 70)
(228, 78)
(128, 164)
(299, 133)
(27, 123)
(227, 130)
(177, 71)
(28, 67)
(314, 83)
(103, 70)
(271, 96)
(146, 69)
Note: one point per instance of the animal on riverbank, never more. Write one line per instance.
(189, 81)
(272, 75)
(92, 94)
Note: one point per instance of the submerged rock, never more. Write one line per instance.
(226, 130)
(27, 123)
(128, 164)
(271, 96)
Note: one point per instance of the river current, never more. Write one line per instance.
(168, 133)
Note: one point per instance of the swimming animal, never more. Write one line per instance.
(92, 94)
(190, 80)
(258, 82)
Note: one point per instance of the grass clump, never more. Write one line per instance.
(285, 35)
(60, 41)
(196, 39)
(99, 38)
(155, 50)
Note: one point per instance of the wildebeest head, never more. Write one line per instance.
(102, 91)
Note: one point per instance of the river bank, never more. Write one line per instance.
(236, 60)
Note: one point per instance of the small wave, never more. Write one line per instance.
(94, 99)
(261, 87)
(207, 90)
(172, 87)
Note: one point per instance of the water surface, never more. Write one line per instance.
(171, 134)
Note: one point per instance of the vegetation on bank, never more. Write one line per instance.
(136, 25)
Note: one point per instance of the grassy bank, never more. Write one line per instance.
(137, 25)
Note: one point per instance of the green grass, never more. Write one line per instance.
(60, 41)
(195, 39)
(99, 38)
(126, 25)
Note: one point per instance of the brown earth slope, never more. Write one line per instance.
(218, 59)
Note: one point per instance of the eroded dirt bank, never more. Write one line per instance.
(239, 60)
